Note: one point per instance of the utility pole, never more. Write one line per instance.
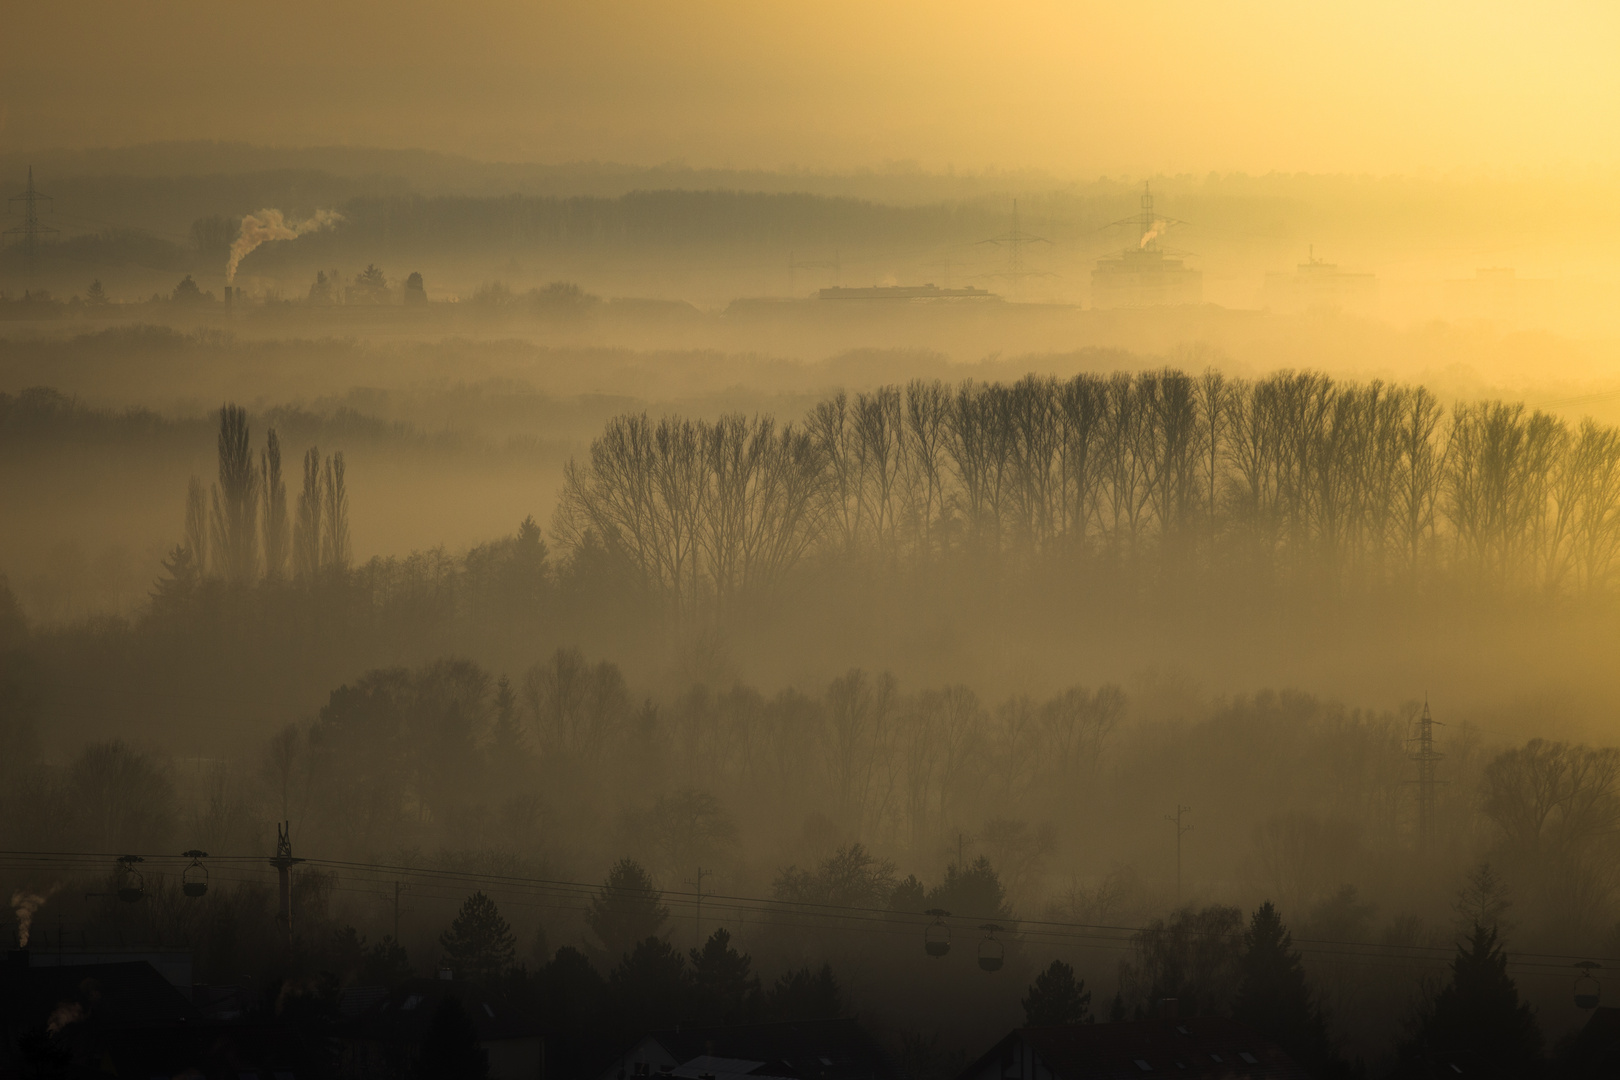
(698, 924)
(1181, 830)
(32, 230)
(1426, 759)
(284, 862)
(396, 913)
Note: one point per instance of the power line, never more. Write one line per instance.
(785, 911)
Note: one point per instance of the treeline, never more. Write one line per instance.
(1161, 480)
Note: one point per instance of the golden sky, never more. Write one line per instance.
(1077, 87)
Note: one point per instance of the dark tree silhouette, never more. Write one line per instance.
(1480, 1011)
(723, 981)
(650, 988)
(805, 995)
(627, 909)
(973, 892)
(479, 945)
(450, 1048)
(415, 293)
(234, 522)
(1057, 999)
(571, 994)
(1274, 998)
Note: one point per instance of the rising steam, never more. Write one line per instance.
(269, 225)
(24, 904)
(1155, 232)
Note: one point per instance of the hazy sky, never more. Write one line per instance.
(1080, 87)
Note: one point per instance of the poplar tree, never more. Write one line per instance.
(274, 491)
(307, 536)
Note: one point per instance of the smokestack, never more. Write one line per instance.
(227, 298)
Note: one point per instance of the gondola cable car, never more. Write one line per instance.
(194, 879)
(992, 953)
(1588, 991)
(128, 883)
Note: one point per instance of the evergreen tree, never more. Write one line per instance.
(1116, 1011)
(1480, 1011)
(179, 581)
(650, 988)
(806, 995)
(97, 296)
(1057, 999)
(1274, 998)
(479, 945)
(627, 909)
(450, 1048)
(571, 1011)
(726, 989)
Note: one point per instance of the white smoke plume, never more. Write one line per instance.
(67, 1012)
(269, 225)
(1156, 231)
(24, 904)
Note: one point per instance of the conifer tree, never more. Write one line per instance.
(479, 946)
(806, 995)
(627, 909)
(1274, 998)
(726, 987)
(1057, 999)
(1479, 1011)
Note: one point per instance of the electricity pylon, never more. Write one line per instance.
(32, 230)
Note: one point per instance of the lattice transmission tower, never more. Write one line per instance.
(1015, 240)
(1427, 759)
(32, 231)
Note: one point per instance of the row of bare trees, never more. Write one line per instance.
(1154, 476)
(239, 530)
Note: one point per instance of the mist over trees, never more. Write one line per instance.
(493, 713)
(1164, 482)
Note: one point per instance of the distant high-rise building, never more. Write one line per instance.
(1145, 275)
(1320, 286)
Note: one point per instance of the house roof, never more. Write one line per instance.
(123, 993)
(1208, 1047)
(1596, 1050)
(402, 1014)
(807, 1049)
